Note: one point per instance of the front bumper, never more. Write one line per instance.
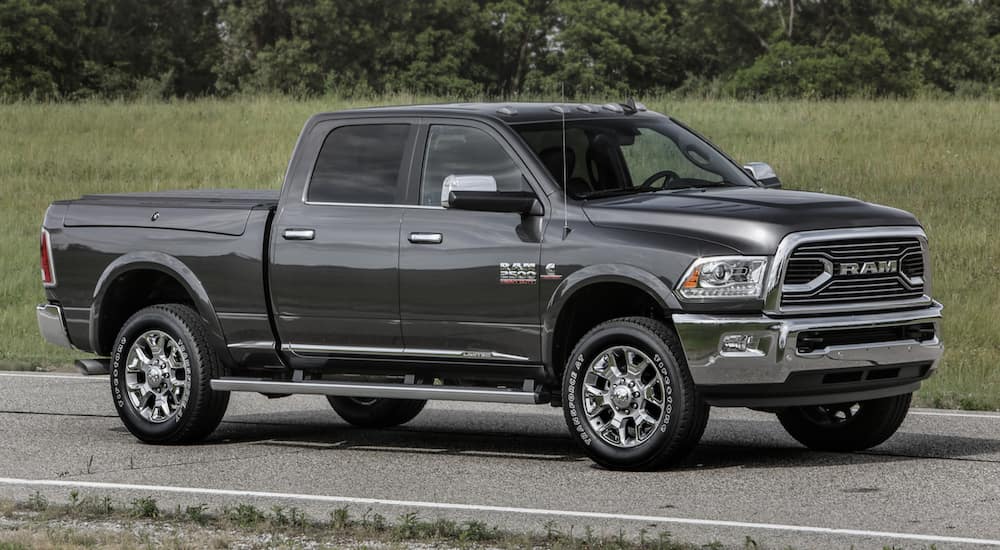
(52, 325)
(778, 369)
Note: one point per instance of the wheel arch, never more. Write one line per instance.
(630, 291)
(148, 278)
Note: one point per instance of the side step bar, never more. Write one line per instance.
(93, 367)
(528, 395)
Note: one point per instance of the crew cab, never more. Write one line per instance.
(605, 259)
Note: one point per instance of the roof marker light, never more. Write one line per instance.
(613, 108)
(586, 108)
(506, 110)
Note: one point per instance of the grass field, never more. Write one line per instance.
(938, 159)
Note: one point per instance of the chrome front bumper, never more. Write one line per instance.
(776, 354)
(52, 326)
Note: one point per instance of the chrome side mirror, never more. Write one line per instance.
(763, 174)
(466, 183)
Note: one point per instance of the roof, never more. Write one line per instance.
(510, 113)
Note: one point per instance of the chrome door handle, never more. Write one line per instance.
(299, 234)
(426, 238)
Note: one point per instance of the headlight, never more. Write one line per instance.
(724, 277)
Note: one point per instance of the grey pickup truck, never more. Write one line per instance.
(604, 259)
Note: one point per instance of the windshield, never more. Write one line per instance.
(606, 157)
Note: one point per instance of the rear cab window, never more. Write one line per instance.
(361, 164)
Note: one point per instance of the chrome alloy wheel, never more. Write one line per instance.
(156, 375)
(625, 396)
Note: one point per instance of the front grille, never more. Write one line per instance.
(849, 271)
(814, 340)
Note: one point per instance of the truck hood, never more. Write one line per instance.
(751, 220)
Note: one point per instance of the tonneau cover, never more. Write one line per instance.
(223, 211)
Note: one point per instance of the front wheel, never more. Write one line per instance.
(846, 427)
(628, 397)
(161, 373)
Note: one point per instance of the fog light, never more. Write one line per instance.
(739, 343)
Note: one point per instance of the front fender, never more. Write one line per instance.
(167, 264)
(600, 273)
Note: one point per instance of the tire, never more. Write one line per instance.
(662, 391)
(376, 412)
(190, 408)
(846, 427)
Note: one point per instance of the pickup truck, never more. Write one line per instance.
(604, 259)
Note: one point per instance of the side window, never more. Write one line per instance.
(360, 164)
(465, 151)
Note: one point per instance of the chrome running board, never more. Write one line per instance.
(92, 367)
(529, 394)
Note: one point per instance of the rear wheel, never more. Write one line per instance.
(161, 372)
(628, 396)
(376, 412)
(846, 427)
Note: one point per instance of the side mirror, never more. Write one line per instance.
(763, 174)
(479, 193)
(519, 202)
(466, 183)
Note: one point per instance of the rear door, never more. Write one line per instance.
(334, 275)
(469, 280)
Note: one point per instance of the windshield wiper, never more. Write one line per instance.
(616, 192)
(699, 184)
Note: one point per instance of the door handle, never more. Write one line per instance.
(426, 238)
(299, 234)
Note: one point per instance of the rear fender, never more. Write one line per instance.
(169, 265)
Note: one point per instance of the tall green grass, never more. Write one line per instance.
(938, 159)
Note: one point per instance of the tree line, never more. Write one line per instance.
(78, 49)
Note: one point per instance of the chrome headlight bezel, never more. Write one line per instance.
(713, 279)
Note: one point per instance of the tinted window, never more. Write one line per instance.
(465, 151)
(360, 164)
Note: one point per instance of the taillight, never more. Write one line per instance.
(48, 273)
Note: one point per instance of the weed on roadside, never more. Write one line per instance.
(40, 523)
(145, 508)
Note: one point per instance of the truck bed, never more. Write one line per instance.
(212, 241)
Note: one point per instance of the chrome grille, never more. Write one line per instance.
(851, 271)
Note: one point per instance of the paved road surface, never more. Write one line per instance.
(936, 482)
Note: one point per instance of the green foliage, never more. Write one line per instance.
(244, 515)
(159, 49)
(197, 513)
(862, 66)
(37, 47)
(144, 507)
(37, 502)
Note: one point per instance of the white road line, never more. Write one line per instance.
(496, 509)
(78, 377)
(957, 415)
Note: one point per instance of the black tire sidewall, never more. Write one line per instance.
(586, 351)
(141, 322)
(381, 413)
(875, 422)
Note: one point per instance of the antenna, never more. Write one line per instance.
(561, 109)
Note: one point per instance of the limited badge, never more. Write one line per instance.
(518, 273)
(550, 273)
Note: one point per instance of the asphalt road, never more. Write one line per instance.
(936, 482)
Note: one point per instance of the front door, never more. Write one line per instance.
(334, 274)
(469, 280)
